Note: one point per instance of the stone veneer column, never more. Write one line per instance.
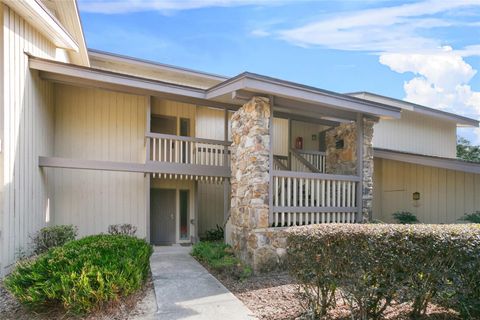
(367, 167)
(344, 160)
(250, 176)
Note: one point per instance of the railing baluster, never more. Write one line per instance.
(154, 149)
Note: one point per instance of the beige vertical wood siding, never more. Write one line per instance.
(417, 133)
(445, 195)
(97, 124)
(27, 132)
(210, 123)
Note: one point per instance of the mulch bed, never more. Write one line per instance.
(134, 306)
(275, 296)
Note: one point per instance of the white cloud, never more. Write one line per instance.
(388, 29)
(440, 81)
(401, 36)
(128, 6)
(260, 33)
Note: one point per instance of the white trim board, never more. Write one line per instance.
(38, 15)
(438, 162)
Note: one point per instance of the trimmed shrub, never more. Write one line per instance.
(220, 257)
(82, 274)
(53, 236)
(125, 229)
(405, 217)
(373, 265)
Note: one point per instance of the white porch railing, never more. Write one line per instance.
(301, 198)
(316, 158)
(187, 150)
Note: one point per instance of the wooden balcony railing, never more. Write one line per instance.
(301, 198)
(315, 158)
(187, 150)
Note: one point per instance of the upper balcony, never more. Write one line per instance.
(203, 157)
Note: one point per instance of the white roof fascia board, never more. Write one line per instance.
(431, 161)
(68, 14)
(440, 114)
(86, 73)
(38, 15)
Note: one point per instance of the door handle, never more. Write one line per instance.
(171, 216)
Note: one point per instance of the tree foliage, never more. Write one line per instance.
(467, 151)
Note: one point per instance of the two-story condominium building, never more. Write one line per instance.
(92, 139)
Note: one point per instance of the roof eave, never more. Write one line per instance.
(461, 121)
(427, 160)
(271, 86)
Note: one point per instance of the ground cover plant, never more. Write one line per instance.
(374, 265)
(220, 257)
(83, 274)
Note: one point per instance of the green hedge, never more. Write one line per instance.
(82, 274)
(374, 265)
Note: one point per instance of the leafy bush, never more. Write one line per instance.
(472, 217)
(405, 217)
(373, 265)
(82, 274)
(219, 256)
(122, 229)
(215, 234)
(53, 236)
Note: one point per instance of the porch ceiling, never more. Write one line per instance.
(289, 98)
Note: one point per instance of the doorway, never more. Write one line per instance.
(162, 216)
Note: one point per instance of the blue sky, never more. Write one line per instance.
(426, 52)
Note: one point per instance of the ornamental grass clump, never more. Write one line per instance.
(82, 275)
(374, 265)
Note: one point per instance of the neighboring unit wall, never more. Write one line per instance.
(97, 124)
(27, 132)
(445, 195)
(417, 133)
(280, 137)
(306, 131)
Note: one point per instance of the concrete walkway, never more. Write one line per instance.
(184, 289)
